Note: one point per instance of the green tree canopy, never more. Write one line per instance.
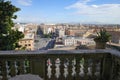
(8, 38)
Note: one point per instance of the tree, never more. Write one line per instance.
(48, 35)
(9, 38)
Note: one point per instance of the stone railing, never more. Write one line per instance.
(62, 65)
(114, 46)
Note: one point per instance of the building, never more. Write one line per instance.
(75, 32)
(60, 32)
(27, 41)
(115, 36)
(74, 41)
(69, 41)
(47, 28)
(29, 30)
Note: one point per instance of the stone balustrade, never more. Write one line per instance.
(61, 64)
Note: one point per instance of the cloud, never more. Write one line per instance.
(84, 1)
(90, 10)
(25, 2)
(28, 18)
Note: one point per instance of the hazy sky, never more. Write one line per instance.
(65, 11)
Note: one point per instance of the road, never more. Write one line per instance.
(51, 44)
(43, 43)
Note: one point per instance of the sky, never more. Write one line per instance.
(68, 11)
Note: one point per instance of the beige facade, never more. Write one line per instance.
(27, 43)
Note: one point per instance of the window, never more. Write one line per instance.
(29, 44)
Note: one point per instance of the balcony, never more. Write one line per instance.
(62, 65)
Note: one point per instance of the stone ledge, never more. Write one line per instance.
(113, 52)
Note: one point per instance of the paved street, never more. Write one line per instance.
(43, 43)
(50, 44)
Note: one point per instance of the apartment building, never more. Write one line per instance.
(27, 41)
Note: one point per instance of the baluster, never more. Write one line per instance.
(21, 67)
(119, 69)
(53, 70)
(70, 70)
(49, 69)
(73, 68)
(0, 70)
(85, 68)
(90, 69)
(98, 65)
(65, 72)
(4, 70)
(78, 69)
(26, 66)
(8, 66)
(62, 68)
(82, 61)
(29, 69)
(93, 69)
(12, 68)
(16, 67)
(57, 64)
(114, 68)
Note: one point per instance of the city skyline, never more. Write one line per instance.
(67, 11)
